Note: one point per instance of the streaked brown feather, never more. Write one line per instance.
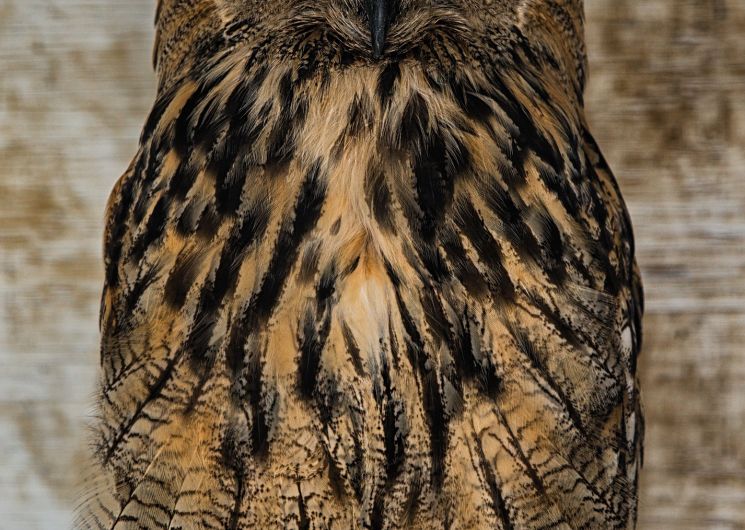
(349, 293)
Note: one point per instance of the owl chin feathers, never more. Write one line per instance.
(378, 29)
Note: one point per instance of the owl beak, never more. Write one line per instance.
(378, 12)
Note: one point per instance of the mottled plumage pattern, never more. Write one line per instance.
(355, 292)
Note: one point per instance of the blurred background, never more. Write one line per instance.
(666, 101)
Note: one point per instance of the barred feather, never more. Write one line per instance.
(344, 292)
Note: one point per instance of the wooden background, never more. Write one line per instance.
(667, 102)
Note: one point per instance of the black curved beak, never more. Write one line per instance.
(378, 13)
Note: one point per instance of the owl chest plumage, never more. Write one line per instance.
(382, 296)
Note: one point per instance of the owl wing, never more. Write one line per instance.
(204, 231)
(543, 233)
(631, 309)
(179, 227)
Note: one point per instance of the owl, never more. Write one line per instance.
(368, 269)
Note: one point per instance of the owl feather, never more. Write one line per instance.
(368, 269)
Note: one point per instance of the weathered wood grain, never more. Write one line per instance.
(75, 85)
(667, 103)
